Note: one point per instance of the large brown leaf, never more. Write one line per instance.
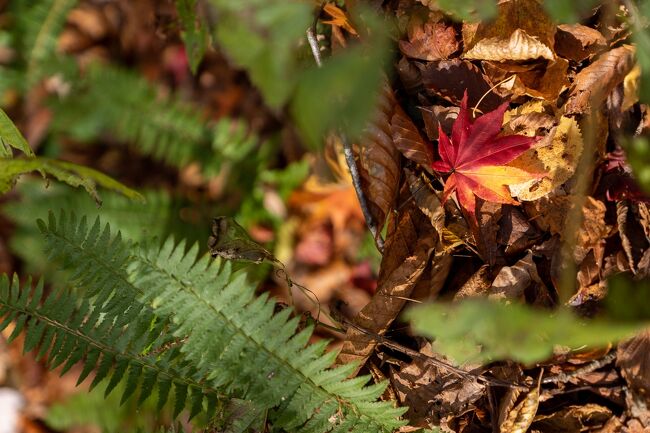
(577, 42)
(592, 85)
(450, 79)
(521, 32)
(411, 240)
(432, 39)
(408, 140)
(379, 160)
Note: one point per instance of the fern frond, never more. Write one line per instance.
(134, 351)
(40, 23)
(236, 339)
(125, 104)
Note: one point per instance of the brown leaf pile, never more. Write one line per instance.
(562, 83)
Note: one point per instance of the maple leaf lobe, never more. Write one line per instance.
(475, 158)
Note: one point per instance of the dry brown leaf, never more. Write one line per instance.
(429, 40)
(631, 232)
(557, 156)
(450, 79)
(521, 32)
(576, 42)
(511, 281)
(408, 140)
(593, 231)
(477, 285)
(595, 82)
(438, 115)
(410, 241)
(379, 160)
(522, 415)
(631, 84)
(516, 232)
(573, 419)
(544, 81)
(633, 360)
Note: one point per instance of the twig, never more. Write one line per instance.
(313, 44)
(431, 360)
(594, 365)
(356, 181)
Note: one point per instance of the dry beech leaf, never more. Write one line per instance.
(438, 115)
(511, 281)
(521, 32)
(557, 155)
(410, 242)
(430, 40)
(633, 360)
(595, 82)
(544, 81)
(408, 140)
(450, 79)
(522, 415)
(516, 232)
(477, 285)
(379, 160)
(576, 42)
(573, 419)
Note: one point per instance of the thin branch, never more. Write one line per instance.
(313, 44)
(356, 181)
(592, 366)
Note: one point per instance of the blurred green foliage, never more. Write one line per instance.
(479, 330)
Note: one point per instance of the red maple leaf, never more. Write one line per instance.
(475, 159)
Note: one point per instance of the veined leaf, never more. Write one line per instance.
(12, 137)
(475, 159)
(72, 174)
(515, 332)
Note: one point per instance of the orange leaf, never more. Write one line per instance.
(339, 19)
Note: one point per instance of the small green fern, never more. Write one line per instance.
(39, 24)
(108, 98)
(135, 350)
(231, 338)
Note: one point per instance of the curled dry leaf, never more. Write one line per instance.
(379, 160)
(557, 155)
(592, 85)
(521, 32)
(522, 415)
(410, 242)
(543, 81)
(633, 360)
(438, 115)
(573, 419)
(576, 42)
(408, 140)
(430, 40)
(511, 281)
(451, 79)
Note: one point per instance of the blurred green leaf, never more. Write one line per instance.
(641, 37)
(263, 36)
(469, 10)
(569, 11)
(194, 33)
(72, 174)
(638, 156)
(343, 93)
(627, 299)
(483, 331)
(11, 136)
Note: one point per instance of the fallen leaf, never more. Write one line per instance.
(573, 419)
(379, 159)
(576, 42)
(521, 32)
(408, 140)
(557, 156)
(438, 115)
(521, 416)
(475, 159)
(545, 80)
(632, 358)
(592, 85)
(339, 18)
(429, 40)
(516, 232)
(511, 281)
(630, 230)
(410, 242)
(451, 79)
